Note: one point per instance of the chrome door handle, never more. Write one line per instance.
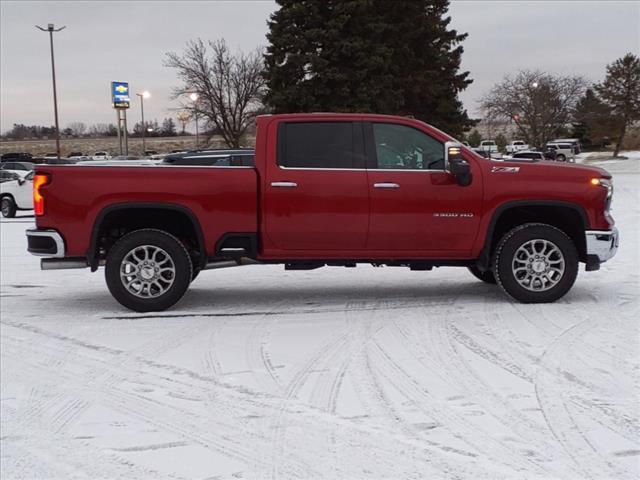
(386, 185)
(284, 184)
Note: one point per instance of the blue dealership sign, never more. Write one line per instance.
(120, 94)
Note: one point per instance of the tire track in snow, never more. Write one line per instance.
(147, 414)
(420, 396)
(556, 413)
(599, 382)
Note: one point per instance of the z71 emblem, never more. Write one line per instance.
(505, 169)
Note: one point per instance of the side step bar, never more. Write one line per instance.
(63, 263)
(81, 262)
(238, 262)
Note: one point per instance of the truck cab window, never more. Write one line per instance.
(320, 145)
(405, 148)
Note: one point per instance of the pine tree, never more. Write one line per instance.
(501, 142)
(593, 121)
(379, 56)
(168, 127)
(475, 138)
(621, 91)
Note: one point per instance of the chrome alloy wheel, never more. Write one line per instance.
(147, 271)
(538, 265)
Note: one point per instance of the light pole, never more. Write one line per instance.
(194, 99)
(142, 96)
(50, 28)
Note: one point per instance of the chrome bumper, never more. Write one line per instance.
(45, 243)
(602, 243)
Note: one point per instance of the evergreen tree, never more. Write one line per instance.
(501, 142)
(379, 56)
(621, 91)
(168, 127)
(475, 138)
(593, 121)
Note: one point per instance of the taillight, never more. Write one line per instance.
(39, 179)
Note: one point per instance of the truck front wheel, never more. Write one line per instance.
(148, 270)
(535, 263)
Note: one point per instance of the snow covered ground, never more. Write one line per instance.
(333, 373)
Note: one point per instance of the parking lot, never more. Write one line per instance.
(341, 373)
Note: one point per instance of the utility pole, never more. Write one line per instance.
(142, 96)
(194, 98)
(51, 28)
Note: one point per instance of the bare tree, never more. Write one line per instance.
(77, 128)
(229, 86)
(540, 104)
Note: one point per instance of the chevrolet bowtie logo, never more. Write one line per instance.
(121, 89)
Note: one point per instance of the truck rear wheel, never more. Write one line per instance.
(148, 270)
(486, 277)
(536, 263)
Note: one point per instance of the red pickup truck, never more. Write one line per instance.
(327, 190)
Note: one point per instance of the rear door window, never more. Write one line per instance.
(321, 145)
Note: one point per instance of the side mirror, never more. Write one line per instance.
(457, 166)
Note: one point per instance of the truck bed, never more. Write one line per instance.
(222, 199)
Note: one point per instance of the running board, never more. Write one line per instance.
(62, 263)
(238, 262)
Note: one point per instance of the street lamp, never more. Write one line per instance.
(51, 28)
(194, 99)
(142, 96)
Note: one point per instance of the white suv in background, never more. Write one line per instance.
(16, 195)
(516, 146)
(101, 156)
(564, 151)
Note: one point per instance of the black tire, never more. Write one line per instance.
(8, 207)
(504, 257)
(194, 273)
(561, 158)
(154, 239)
(486, 277)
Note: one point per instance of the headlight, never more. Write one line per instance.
(605, 183)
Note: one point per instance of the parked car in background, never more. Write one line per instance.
(528, 155)
(116, 161)
(61, 161)
(101, 156)
(6, 176)
(78, 156)
(575, 143)
(481, 152)
(16, 157)
(49, 156)
(489, 146)
(19, 168)
(564, 151)
(219, 158)
(126, 157)
(16, 195)
(516, 146)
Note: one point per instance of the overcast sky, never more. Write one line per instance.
(126, 41)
